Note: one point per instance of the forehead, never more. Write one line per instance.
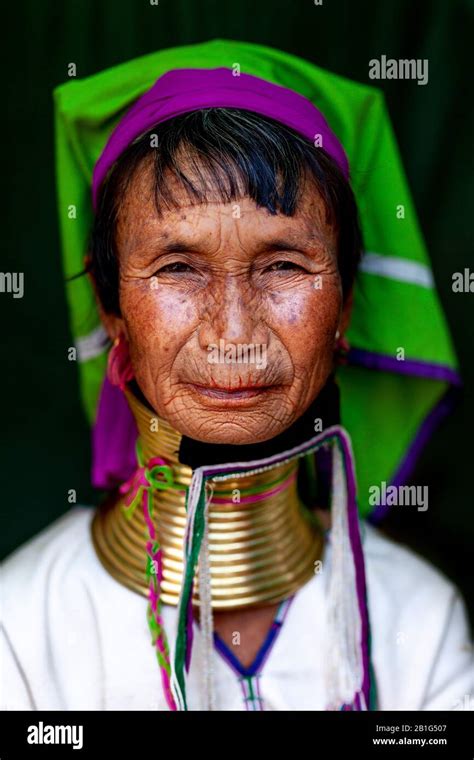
(139, 222)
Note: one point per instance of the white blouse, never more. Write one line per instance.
(73, 638)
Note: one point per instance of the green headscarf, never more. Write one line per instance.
(401, 363)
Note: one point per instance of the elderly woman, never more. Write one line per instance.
(224, 250)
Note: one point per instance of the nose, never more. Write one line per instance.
(231, 314)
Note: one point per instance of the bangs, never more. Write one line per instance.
(223, 155)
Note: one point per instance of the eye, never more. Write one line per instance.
(175, 268)
(283, 266)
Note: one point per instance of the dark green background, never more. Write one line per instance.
(45, 440)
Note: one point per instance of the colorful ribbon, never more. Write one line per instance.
(156, 475)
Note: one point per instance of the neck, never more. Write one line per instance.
(263, 542)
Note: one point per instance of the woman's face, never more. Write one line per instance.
(230, 312)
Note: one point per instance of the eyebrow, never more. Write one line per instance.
(283, 244)
(180, 246)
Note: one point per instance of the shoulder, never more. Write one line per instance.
(421, 636)
(399, 567)
(43, 585)
(403, 584)
(57, 560)
(53, 548)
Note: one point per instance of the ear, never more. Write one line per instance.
(346, 312)
(113, 324)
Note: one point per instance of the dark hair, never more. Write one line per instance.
(235, 153)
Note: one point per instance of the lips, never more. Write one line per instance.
(230, 394)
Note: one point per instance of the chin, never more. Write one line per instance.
(233, 432)
(246, 421)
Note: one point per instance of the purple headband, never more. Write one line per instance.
(183, 90)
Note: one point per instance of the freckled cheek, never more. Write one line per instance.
(158, 324)
(307, 322)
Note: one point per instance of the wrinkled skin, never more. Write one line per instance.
(227, 283)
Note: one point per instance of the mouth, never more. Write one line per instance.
(231, 395)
